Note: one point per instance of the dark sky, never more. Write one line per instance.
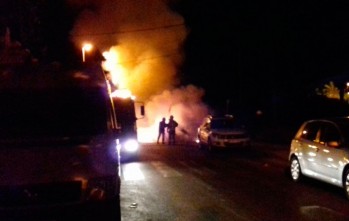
(241, 51)
(264, 48)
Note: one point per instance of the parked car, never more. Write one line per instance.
(222, 132)
(320, 150)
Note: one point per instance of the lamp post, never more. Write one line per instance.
(85, 47)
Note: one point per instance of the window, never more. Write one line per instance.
(329, 132)
(310, 131)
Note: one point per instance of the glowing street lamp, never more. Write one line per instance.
(85, 47)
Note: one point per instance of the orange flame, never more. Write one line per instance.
(123, 93)
(144, 51)
(112, 65)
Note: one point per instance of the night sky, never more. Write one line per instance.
(265, 48)
(248, 53)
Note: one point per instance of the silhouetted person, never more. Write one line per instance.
(171, 129)
(162, 126)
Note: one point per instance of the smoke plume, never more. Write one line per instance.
(148, 38)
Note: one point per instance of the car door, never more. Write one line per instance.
(307, 147)
(330, 154)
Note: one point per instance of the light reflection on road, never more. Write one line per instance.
(132, 171)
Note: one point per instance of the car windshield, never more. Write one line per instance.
(125, 113)
(224, 124)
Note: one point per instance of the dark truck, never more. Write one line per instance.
(125, 113)
(58, 149)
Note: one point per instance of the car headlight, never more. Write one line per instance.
(131, 145)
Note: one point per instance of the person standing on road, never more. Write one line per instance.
(171, 129)
(162, 126)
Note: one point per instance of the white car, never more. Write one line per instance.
(222, 132)
(320, 150)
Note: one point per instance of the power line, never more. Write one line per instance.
(132, 31)
(151, 58)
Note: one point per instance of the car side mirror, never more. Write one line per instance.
(142, 110)
(141, 113)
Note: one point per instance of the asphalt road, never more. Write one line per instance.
(181, 183)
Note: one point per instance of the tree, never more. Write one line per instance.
(329, 91)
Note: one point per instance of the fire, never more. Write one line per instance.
(143, 55)
(183, 103)
(118, 77)
(113, 66)
(123, 93)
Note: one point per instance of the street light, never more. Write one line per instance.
(85, 47)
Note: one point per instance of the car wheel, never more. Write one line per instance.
(295, 169)
(346, 183)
